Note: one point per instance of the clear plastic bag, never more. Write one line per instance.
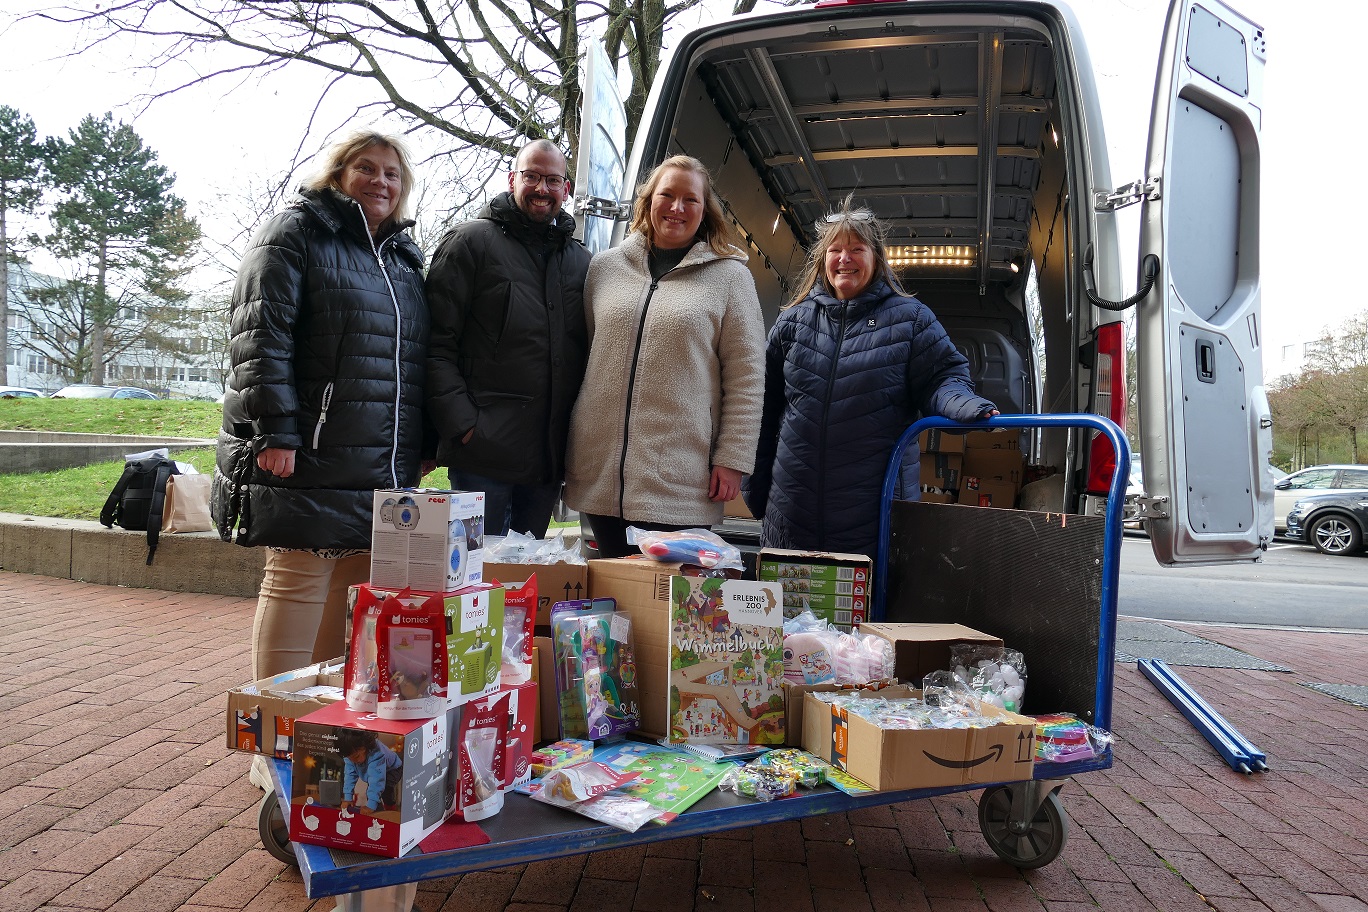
(996, 673)
(701, 547)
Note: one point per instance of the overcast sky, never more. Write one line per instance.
(216, 142)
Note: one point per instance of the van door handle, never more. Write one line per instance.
(1206, 361)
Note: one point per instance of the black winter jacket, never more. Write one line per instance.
(328, 348)
(843, 380)
(509, 343)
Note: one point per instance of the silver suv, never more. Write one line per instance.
(1324, 479)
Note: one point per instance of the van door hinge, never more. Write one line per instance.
(1147, 507)
(1121, 197)
(600, 207)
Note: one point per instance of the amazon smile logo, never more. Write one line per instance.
(994, 754)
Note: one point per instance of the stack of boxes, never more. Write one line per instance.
(978, 468)
(380, 785)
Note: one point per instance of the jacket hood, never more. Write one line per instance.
(341, 214)
(504, 211)
(637, 251)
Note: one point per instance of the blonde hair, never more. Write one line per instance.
(715, 228)
(859, 223)
(344, 151)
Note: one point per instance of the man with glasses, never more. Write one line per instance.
(509, 343)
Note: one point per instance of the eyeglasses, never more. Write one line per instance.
(858, 215)
(533, 178)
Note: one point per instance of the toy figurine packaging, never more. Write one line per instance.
(595, 669)
(726, 661)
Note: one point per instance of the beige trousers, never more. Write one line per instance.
(301, 615)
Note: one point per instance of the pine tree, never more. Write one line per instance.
(129, 237)
(21, 186)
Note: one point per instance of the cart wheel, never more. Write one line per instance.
(274, 831)
(1024, 845)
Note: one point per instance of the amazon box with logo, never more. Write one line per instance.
(367, 784)
(919, 649)
(895, 759)
(427, 539)
(558, 582)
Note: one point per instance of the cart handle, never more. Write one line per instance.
(1111, 534)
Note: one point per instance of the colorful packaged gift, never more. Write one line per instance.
(595, 669)
(561, 753)
(412, 660)
(361, 674)
(520, 617)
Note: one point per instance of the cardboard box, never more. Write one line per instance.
(978, 492)
(794, 703)
(994, 465)
(993, 440)
(412, 800)
(555, 583)
(426, 539)
(736, 507)
(641, 587)
(261, 715)
(548, 708)
(938, 496)
(919, 649)
(895, 759)
(536, 703)
(838, 586)
(938, 440)
(941, 470)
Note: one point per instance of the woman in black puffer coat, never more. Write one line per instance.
(329, 344)
(849, 365)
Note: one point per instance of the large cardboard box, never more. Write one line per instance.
(942, 470)
(919, 649)
(261, 715)
(426, 539)
(979, 492)
(333, 802)
(895, 759)
(555, 583)
(794, 703)
(938, 440)
(641, 588)
(993, 440)
(736, 507)
(994, 465)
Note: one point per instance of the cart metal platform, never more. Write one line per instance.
(1023, 822)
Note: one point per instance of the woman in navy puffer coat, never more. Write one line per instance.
(848, 367)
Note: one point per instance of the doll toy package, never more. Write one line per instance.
(595, 669)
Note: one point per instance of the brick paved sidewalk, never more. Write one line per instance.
(117, 793)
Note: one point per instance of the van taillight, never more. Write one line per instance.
(1109, 399)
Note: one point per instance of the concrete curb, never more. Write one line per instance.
(48, 451)
(85, 550)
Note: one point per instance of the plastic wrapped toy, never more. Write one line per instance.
(762, 783)
(690, 546)
(595, 669)
(1063, 737)
(996, 673)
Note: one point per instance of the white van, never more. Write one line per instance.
(973, 128)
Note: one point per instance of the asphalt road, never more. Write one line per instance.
(1294, 586)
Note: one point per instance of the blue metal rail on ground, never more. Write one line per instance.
(526, 830)
(1237, 751)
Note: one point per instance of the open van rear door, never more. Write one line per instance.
(601, 160)
(1205, 426)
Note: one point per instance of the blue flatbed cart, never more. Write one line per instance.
(1023, 822)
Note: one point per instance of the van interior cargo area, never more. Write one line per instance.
(954, 137)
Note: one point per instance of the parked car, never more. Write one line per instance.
(1315, 480)
(19, 392)
(87, 391)
(1334, 523)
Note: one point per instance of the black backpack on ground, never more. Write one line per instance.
(138, 498)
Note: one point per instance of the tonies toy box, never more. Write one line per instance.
(368, 784)
(428, 540)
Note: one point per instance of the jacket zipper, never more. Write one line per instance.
(826, 417)
(323, 415)
(627, 414)
(398, 333)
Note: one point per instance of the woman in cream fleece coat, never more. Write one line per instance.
(669, 414)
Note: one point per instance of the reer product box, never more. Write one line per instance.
(366, 784)
(893, 759)
(426, 539)
(261, 715)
